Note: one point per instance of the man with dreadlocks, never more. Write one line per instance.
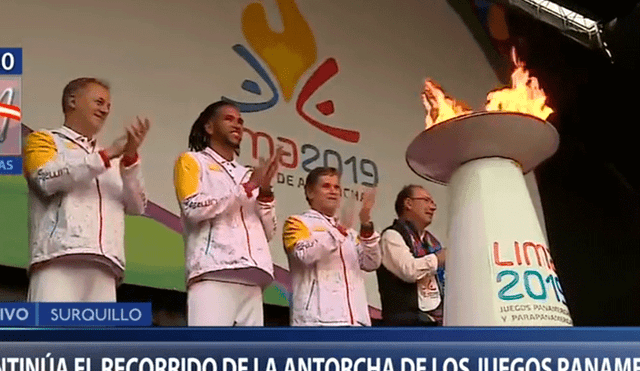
(228, 217)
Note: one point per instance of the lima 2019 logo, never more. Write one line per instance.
(288, 55)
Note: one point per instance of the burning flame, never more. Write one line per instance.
(524, 96)
(439, 106)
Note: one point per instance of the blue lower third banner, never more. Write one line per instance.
(75, 314)
(17, 314)
(10, 165)
(321, 356)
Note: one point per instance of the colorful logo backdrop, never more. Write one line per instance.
(288, 55)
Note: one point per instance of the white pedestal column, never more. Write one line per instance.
(499, 271)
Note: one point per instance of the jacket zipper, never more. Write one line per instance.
(100, 213)
(55, 225)
(313, 285)
(246, 230)
(206, 251)
(346, 285)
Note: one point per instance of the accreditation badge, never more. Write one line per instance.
(428, 293)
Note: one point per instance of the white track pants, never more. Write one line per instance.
(216, 303)
(72, 281)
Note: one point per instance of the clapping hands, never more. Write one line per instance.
(129, 143)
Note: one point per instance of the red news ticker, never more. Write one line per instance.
(12, 112)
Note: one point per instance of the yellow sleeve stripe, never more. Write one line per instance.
(294, 230)
(40, 149)
(186, 175)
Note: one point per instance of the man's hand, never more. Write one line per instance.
(348, 212)
(272, 168)
(263, 174)
(368, 200)
(135, 136)
(117, 148)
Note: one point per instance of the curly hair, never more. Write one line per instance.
(198, 137)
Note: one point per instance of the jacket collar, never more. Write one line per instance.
(81, 140)
(331, 220)
(216, 156)
(412, 228)
(77, 136)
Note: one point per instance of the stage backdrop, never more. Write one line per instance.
(334, 82)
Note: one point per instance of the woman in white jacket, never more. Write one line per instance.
(328, 261)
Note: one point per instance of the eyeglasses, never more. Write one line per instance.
(426, 199)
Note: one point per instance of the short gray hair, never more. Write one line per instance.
(76, 85)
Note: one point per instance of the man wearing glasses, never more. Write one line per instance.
(410, 290)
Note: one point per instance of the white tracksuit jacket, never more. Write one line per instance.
(327, 271)
(76, 203)
(224, 228)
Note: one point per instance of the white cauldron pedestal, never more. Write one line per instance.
(498, 268)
